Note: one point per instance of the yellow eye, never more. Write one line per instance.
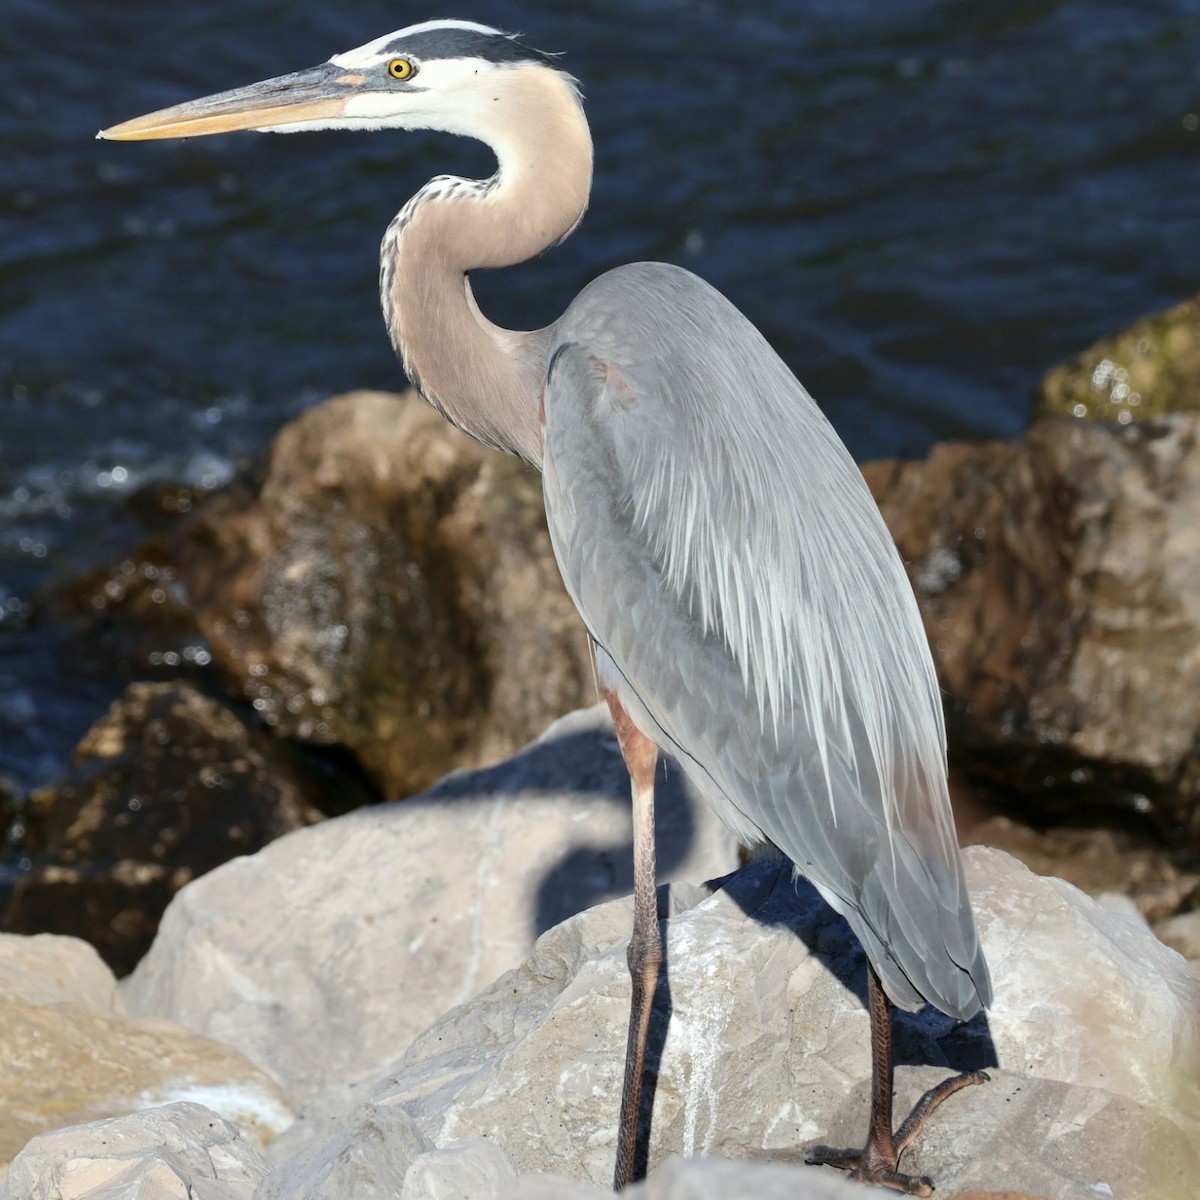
(400, 68)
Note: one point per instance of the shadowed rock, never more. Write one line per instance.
(1059, 580)
(167, 785)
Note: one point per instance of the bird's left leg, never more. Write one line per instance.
(878, 1161)
(645, 946)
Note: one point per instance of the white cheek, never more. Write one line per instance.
(379, 105)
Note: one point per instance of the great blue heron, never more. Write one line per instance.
(749, 613)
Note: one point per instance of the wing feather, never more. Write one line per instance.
(726, 554)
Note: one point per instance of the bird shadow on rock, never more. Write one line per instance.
(585, 762)
(770, 893)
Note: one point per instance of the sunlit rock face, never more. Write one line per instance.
(512, 1095)
(71, 1052)
(1095, 1030)
(327, 953)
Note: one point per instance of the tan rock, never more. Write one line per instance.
(49, 969)
(384, 583)
(1059, 579)
(72, 1060)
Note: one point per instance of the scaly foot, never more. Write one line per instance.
(877, 1162)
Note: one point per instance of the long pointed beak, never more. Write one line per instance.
(318, 93)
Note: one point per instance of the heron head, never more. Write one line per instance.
(454, 76)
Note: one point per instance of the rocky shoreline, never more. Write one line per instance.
(377, 604)
(297, 976)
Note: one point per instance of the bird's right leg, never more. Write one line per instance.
(645, 946)
(878, 1162)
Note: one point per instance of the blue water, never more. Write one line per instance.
(923, 205)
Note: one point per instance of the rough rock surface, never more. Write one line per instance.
(475, 1169)
(1096, 1029)
(1182, 933)
(186, 1152)
(175, 1152)
(1148, 369)
(426, 902)
(1103, 862)
(706, 1179)
(67, 1052)
(167, 785)
(1059, 579)
(372, 1155)
(384, 583)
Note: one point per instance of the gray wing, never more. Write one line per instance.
(727, 557)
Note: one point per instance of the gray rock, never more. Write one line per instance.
(720, 1179)
(1035, 1136)
(555, 1187)
(426, 902)
(704, 1179)
(1182, 933)
(1118, 902)
(176, 1152)
(367, 1158)
(1096, 1030)
(468, 1170)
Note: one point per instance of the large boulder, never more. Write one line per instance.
(1141, 372)
(1096, 1030)
(327, 952)
(1059, 579)
(186, 1152)
(69, 1053)
(1154, 879)
(168, 784)
(383, 583)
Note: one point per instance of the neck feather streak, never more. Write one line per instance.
(485, 379)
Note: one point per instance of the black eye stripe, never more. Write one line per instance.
(466, 43)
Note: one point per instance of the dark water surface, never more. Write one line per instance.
(923, 205)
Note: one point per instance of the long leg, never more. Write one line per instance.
(877, 1162)
(645, 948)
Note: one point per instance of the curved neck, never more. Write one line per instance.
(485, 379)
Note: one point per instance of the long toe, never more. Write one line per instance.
(827, 1156)
(910, 1185)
